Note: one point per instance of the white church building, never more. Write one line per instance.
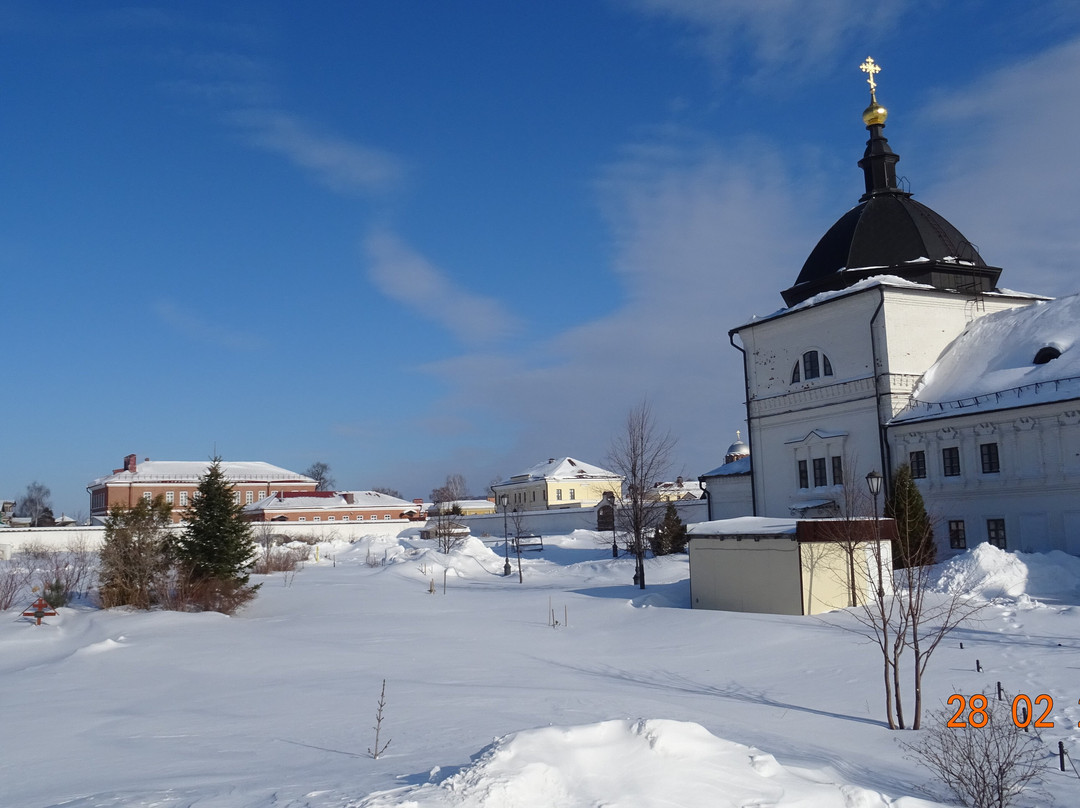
(897, 346)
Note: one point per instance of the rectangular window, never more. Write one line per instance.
(950, 461)
(810, 365)
(236, 497)
(988, 453)
(804, 477)
(917, 461)
(534, 496)
(372, 518)
(558, 493)
(249, 497)
(302, 519)
(183, 499)
(146, 496)
(317, 519)
(331, 518)
(957, 534)
(571, 493)
(995, 532)
(345, 518)
(169, 497)
(837, 471)
(386, 516)
(819, 472)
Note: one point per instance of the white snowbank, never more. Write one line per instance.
(991, 573)
(642, 763)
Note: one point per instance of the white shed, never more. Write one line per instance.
(787, 566)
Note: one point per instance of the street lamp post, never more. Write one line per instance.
(506, 536)
(873, 482)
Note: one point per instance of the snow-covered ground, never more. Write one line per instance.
(631, 699)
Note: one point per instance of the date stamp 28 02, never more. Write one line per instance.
(971, 711)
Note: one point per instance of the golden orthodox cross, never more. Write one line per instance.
(870, 68)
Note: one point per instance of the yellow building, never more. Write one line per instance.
(558, 483)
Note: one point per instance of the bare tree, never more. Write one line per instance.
(449, 533)
(320, 473)
(390, 492)
(453, 490)
(985, 764)
(641, 454)
(35, 503)
(14, 579)
(900, 610)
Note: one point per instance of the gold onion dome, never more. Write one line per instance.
(875, 114)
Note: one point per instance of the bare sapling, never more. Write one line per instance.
(376, 750)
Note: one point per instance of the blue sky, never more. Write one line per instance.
(419, 238)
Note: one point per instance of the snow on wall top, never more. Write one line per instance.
(991, 365)
(743, 526)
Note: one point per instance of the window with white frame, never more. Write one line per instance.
(995, 532)
(837, 470)
(183, 499)
(169, 497)
(917, 463)
(957, 534)
(950, 461)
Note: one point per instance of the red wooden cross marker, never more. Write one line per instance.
(39, 609)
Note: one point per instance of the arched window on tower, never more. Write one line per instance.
(813, 365)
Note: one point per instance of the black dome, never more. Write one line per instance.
(889, 233)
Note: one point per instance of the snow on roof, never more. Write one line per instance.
(193, 470)
(375, 499)
(992, 364)
(299, 504)
(563, 468)
(868, 283)
(739, 466)
(743, 526)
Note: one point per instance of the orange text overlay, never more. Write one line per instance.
(1027, 711)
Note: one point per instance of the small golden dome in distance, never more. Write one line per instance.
(875, 114)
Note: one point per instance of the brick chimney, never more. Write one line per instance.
(129, 464)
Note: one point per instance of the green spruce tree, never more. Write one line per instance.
(134, 559)
(217, 549)
(670, 536)
(914, 545)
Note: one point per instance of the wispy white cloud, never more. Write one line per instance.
(407, 277)
(341, 164)
(705, 238)
(791, 35)
(1008, 179)
(242, 89)
(196, 328)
